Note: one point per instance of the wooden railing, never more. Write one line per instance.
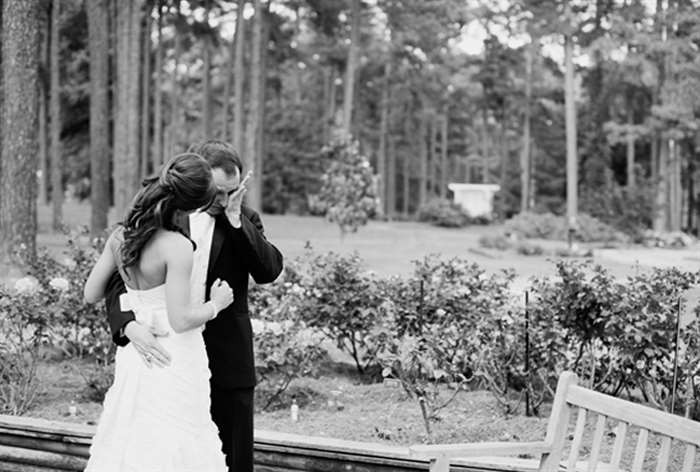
(36, 445)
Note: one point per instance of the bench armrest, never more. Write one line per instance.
(479, 449)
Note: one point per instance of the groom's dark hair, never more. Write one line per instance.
(219, 154)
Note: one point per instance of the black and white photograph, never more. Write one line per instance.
(349, 235)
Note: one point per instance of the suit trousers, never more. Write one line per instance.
(232, 411)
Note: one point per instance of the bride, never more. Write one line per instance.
(158, 419)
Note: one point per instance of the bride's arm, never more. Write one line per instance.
(96, 282)
(182, 314)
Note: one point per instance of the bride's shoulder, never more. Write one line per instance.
(173, 240)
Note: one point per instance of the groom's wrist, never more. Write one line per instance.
(235, 219)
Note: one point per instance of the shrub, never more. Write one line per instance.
(443, 212)
(423, 342)
(550, 226)
(498, 241)
(24, 328)
(620, 336)
(342, 300)
(78, 328)
(348, 193)
(285, 348)
(284, 351)
(529, 249)
(627, 209)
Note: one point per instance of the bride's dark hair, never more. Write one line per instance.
(185, 183)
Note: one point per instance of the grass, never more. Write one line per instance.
(388, 248)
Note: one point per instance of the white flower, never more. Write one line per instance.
(257, 325)
(69, 262)
(59, 283)
(27, 285)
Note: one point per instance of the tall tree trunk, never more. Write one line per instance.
(239, 77)
(406, 162)
(254, 110)
(297, 71)
(391, 178)
(206, 89)
(126, 138)
(526, 146)
(383, 127)
(351, 66)
(443, 153)
(486, 177)
(431, 161)
(175, 124)
(661, 222)
(260, 138)
(690, 186)
(570, 109)
(228, 83)
(676, 193)
(158, 95)
(43, 116)
(332, 103)
(98, 44)
(146, 94)
(55, 112)
(630, 144)
(327, 84)
(503, 151)
(423, 157)
(18, 150)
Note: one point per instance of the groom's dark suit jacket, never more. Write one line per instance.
(235, 255)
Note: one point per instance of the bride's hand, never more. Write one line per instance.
(221, 294)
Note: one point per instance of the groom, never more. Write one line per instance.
(232, 234)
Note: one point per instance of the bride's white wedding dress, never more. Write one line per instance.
(157, 419)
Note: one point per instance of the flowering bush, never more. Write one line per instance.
(436, 326)
(342, 300)
(78, 328)
(550, 226)
(285, 348)
(24, 329)
(620, 336)
(443, 212)
(348, 193)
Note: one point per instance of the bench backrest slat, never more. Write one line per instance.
(640, 451)
(578, 439)
(664, 452)
(648, 418)
(620, 437)
(597, 442)
(689, 458)
(558, 424)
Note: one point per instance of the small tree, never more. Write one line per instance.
(348, 194)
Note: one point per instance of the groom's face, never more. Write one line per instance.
(226, 185)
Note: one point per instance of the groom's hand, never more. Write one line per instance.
(233, 210)
(147, 345)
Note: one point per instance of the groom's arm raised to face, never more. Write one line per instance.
(264, 260)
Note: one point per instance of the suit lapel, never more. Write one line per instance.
(217, 240)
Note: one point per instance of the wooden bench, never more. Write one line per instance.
(571, 399)
(37, 445)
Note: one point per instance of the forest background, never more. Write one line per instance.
(97, 94)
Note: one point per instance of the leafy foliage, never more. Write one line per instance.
(442, 212)
(348, 194)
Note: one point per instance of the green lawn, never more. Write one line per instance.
(387, 247)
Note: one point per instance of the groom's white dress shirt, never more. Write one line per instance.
(201, 232)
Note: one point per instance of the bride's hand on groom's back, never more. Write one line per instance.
(147, 345)
(221, 294)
